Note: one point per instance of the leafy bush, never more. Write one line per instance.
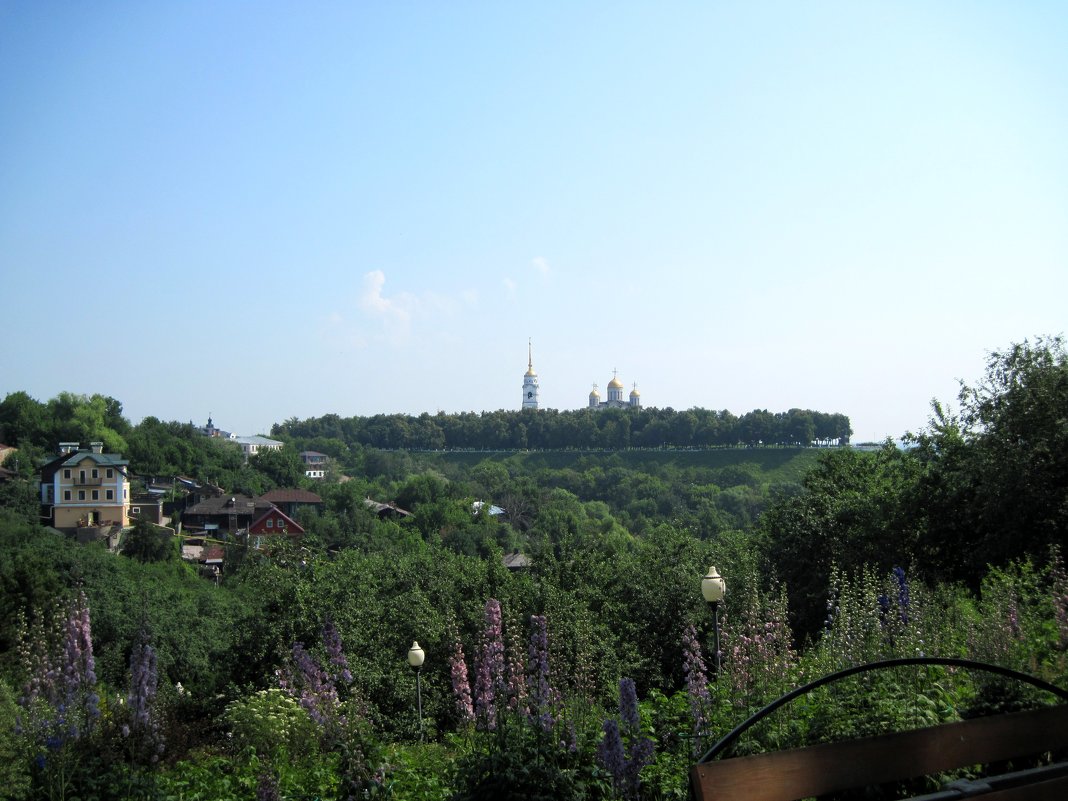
(271, 723)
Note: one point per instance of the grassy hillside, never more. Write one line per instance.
(778, 465)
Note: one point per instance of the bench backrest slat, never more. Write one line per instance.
(833, 767)
(1053, 790)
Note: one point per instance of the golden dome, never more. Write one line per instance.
(615, 383)
(594, 393)
(634, 393)
(530, 371)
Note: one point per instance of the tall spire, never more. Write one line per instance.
(530, 380)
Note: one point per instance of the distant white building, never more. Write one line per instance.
(253, 445)
(210, 430)
(615, 396)
(314, 463)
(530, 382)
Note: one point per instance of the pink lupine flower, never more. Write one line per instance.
(461, 687)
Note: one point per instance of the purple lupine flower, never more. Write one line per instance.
(267, 786)
(571, 743)
(1013, 615)
(1059, 589)
(490, 676)
(628, 706)
(516, 680)
(541, 691)
(461, 687)
(693, 665)
(624, 751)
(640, 755)
(902, 594)
(79, 670)
(610, 753)
(60, 701)
(335, 653)
(760, 657)
(317, 692)
(884, 610)
(833, 611)
(143, 683)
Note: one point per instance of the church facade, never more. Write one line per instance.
(615, 398)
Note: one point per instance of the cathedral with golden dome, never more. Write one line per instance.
(615, 396)
(615, 399)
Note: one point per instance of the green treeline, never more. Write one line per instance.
(550, 429)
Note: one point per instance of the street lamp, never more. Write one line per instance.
(415, 659)
(713, 588)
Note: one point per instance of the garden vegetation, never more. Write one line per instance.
(588, 675)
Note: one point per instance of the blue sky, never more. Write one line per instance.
(267, 210)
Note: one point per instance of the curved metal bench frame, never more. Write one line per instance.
(967, 664)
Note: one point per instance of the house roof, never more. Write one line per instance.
(292, 526)
(105, 459)
(379, 508)
(228, 504)
(257, 440)
(303, 453)
(493, 511)
(50, 468)
(290, 496)
(516, 561)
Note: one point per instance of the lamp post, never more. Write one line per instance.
(713, 588)
(415, 659)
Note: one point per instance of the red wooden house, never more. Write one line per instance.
(274, 521)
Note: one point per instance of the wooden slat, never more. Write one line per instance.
(832, 767)
(1053, 790)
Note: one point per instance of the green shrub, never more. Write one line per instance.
(270, 723)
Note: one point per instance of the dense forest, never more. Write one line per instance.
(587, 675)
(550, 429)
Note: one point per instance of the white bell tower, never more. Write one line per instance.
(530, 382)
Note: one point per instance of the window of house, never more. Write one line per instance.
(96, 495)
(270, 523)
(135, 510)
(81, 495)
(66, 474)
(66, 495)
(96, 473)
(110, 473)
(111, 495)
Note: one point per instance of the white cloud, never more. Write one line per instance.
(510, 287)
(394, 311)
(393, 314)
(540, 264)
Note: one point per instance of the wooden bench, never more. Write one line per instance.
(898, 757)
